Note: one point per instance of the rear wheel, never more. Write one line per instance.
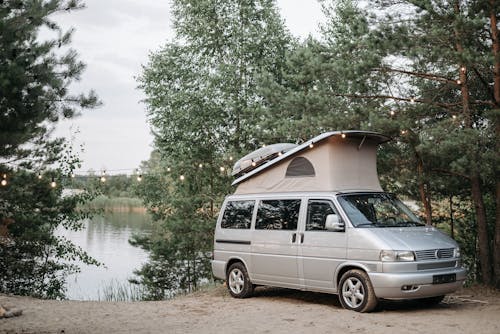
(238, 282)
(356, 291)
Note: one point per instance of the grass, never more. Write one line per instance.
(116, 204)
(115, 291)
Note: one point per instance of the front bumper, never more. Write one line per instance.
(417, 284)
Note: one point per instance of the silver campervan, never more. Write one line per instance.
(314, 217)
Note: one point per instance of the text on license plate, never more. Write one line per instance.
(441, 279)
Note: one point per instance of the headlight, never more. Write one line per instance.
(393, 256)
(456, 252)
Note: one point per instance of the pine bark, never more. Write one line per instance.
(475, 179)
(496, 94)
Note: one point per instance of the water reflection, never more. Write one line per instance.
(106, 239)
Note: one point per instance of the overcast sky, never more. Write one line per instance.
(114, 38)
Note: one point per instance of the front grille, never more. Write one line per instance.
(434, 254)
(436, 265)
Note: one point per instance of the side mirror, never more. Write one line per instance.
(334, 223)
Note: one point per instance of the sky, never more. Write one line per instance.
(114, 39)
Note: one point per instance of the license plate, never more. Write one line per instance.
(442, 279)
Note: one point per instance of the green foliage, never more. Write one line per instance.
(204, 108)
(35, 80)
(35, 77)
(33, 260)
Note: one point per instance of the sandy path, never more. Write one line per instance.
(270, 311)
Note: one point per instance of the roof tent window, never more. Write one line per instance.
(300, 166)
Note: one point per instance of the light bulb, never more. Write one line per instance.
(230, 158)
(103, 179)
(53, 184)
(254, 164)
(222, 169)
(392, 113)
(4, 182)
(39, 176)
(311, 145)
(139, 178)
(200, 165)
(182, 177)
(343, 135)
(168, 169)
(459, 82)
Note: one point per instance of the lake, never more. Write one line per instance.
(106, 239)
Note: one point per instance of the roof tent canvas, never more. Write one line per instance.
(332, 161)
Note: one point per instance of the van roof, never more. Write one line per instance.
(375, 137)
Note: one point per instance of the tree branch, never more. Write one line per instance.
(417, 74)
(444, 171)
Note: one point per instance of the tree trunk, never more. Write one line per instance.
(452, 222)
(496, 93)
(482, 231)
(423, 191)
(477, 196)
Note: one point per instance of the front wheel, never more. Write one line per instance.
(356, 291)
(238, 282)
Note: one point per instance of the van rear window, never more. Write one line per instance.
(238, 215)
(278, 214)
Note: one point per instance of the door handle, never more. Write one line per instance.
(301, 238)
(294, 237)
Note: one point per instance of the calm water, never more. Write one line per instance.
(106, 239)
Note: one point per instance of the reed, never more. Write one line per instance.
(116, 204)
(116, 291)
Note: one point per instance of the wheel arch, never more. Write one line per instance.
(345, 267)
(233, 260)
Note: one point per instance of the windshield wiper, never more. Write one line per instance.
(368, 225)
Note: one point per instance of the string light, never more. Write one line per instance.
(263, 145)
(343, 135)
(463, 69)
(72, 175)
(230, 158)
(53, 183)
(222, 169)
(200, 166)
(280, 154)
(392, 113)
(412, 100)
(103, 176)
(168, 169)
(4, 180)
(459, 82)
(403, 132)
(182, 178)
(139, 178)
(311, 145)
(253, 163)
(454, 116)
(39, 176)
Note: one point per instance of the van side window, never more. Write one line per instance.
(238, 214)
(317, 210)
(278, 214)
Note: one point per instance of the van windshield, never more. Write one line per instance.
(377, 210)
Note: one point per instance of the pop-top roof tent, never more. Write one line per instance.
(332, 161)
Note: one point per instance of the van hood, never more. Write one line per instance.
(413, 238)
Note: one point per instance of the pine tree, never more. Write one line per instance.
(35, 76)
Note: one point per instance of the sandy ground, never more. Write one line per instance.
(270, 311)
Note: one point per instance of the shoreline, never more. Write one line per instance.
(271, 310)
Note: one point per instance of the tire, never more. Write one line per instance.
(238, 282)
(356, 291)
